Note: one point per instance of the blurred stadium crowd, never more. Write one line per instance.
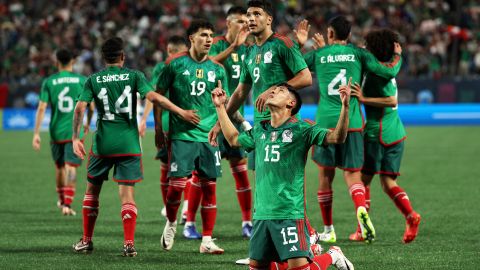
(440, 37)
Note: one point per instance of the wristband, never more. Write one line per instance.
(246, 126)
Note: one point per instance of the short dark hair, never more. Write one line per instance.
(341, 26)
(199, 24)
(177, 40)
(112, 49)
(236, 10)
(64, 56)
(298, 99)
(381, 43)
(263, 4)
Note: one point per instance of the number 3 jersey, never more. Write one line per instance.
(334, 65)
(60, 91)
(189, 85)
(280, 158)
(114, 91)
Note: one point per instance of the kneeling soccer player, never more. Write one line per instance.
(281, 144)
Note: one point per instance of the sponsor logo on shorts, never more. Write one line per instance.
(293, 248)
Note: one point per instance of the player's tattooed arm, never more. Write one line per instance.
(42, 106)
(379, 102)
(219, 98)
(339, 134)
(78, 114)
(91, 109)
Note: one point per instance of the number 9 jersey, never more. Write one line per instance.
(60, 90)
(114, 91)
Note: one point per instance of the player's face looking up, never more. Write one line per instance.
(258, 20)
(280, 97)
(202, 40)
(235, 22)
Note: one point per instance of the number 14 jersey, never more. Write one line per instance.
(114, 90)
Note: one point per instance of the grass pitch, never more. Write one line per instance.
(438, 172)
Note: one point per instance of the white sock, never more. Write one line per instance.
(328, 228)
(334, 254)
(246, 223)
(172, 224)
(206, 239)
(189, 223)
(185, 207)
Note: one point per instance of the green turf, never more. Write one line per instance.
(438, 172)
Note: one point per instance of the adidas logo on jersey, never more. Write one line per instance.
(293, 248)
(186, 73)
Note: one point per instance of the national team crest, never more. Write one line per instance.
(258, 58)
(199, 73)
(267, 58)
(173, 167)
(211, 76)
(287, 136)
(235, 57)
(273, 136)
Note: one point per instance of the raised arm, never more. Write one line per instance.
(219, 98)
(385, 70)
(42, 107)
(339, 134)
(239, 40)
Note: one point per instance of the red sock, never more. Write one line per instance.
(61, 197)
(367, 198)
(164, 182)
(186, 191)
(90, 213)
(321, 262)
(129, 219)
(401, 200)
(68, 194)
(174, 196)
(209, 207)
(194, 197)
(325, 199)
(357, 191)
(244, 192)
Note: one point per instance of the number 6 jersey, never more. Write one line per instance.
(60, 90)
(189, 84)
(334, 65)
(114, 90)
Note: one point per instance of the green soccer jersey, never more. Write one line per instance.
(276, 61)
(60, 91)
(383, 124)
(334, 65)
(165, 113)
(189, 84)
(281, 155)
(114, 90)
(233, 64)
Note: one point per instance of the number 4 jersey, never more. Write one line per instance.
(114, 91)
(60, 91)
(189, 84)
(280, 158)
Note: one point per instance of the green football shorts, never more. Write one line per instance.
(347, 156)
(62, 154)
(127, 170)
(380, 159)
(279, 240)
(162, 155)
(188, 156)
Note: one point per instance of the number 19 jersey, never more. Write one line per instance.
(334, 65)
(60, 91)
(280, 158)
(114, 92)
(189, 84)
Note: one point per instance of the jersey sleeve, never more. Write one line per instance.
(165, 78)
(245, 77)
(143, 86)
(87, 93)
(44, 94)
(155, 73)
(246, 140)
(391, 89)
(314, 135)
(310, 60)
(292, 57)
(385, 70)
